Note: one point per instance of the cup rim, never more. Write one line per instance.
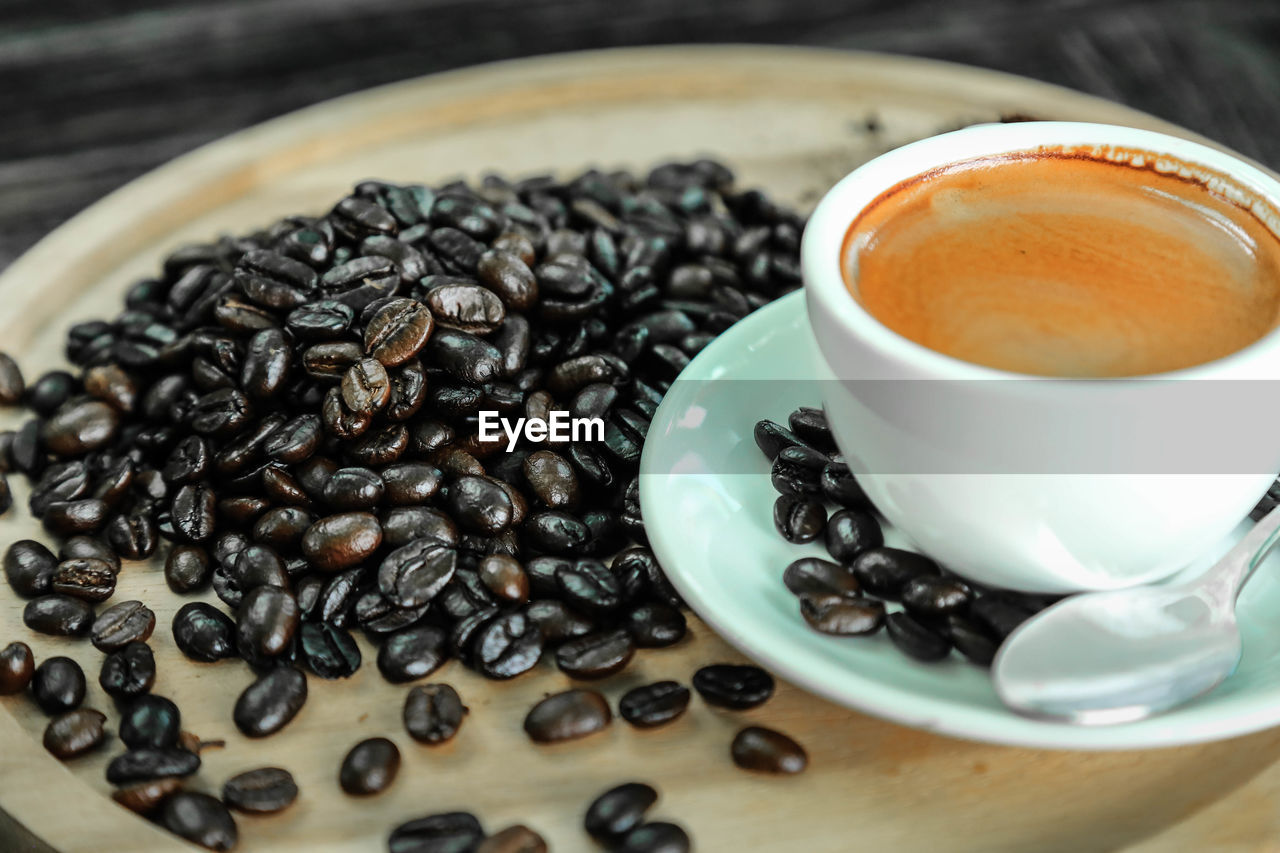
(822, 245)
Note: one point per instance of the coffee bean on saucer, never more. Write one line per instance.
(885, 571)
(75, 733)
(932, 596)
(514, 839)
(915, 639)
(265, 790)
(567, 716)
(999, 615)
(733, 686)
(850, 533)
(840, 616)
(128, 671)
(370, 767)
(810, 426)
(447, 831)
(654, 704)
(767, 751)
(820, 578)
(433, 713)
(58, 685)
(17, 666)
(797, 471)
(797, 519)
(200, 819)
(839, 486)
(773, 438)
(618, 810)
(971, 640)
(656, 837)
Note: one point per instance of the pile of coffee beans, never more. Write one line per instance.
(293, 418)
(849, 595)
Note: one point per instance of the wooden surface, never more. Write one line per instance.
(790, 121)
(96, 92)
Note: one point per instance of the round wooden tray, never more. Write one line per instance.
(789, 120)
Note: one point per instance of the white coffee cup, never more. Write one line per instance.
(1029, 483)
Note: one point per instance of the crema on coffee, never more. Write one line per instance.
(1065, 262)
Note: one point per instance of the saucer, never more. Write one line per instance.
(708, 510)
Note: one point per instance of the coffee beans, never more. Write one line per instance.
(799, 520)
(596, 655)
(654, 704)
(567, 716)
(341, 541)
(507, 645)
(413, 574)
(398, 331)
(618, 810)
(270, 703)
(138, 765)
(266, 622)
(58, 685)
(75, 733)
(120, 624)
(412, 653)
(513, 839)
(327, 650)
(842, 617)
(128, 671)
(202, 632)
(437, 833)
(29, 568)
(850, 533)
(433, 713)
(11, 383)
(733, 686)
(656, 837)
(58, 615)
(145, 797)
(17, 666)
(200, 819)
(655, 625)
(370, 767)
(150, 722)
(767, 751)
(885, 571)
(914, 638)
(265, 790)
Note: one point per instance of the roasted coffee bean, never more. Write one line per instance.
(265, 790)
(121, 624)
(514, 839)
(370, 767)
(75, 733)
(413, 574)
(596, 655)
(77, 547)
(412, 653)
(266, 364)
(505, 577)
(971, 640)
(273, 280)
(366, 388)
(268, 704)
(438, 833)
(66, 518)
(618, 810)
(915, 639)
(466, 307)
(509, 277)
(282, 528)
(12, 385)
(398, 331)
(411, 483)
(850, 533)
(328, 651)
(134, 535)
(294, 440)
(655, 625)
(408, 391)
(557, 621)
(885, 571)
(193, 512)
(811, 576)
(29, 568)
(654, 704)
(354, 488)
(138, 765)
(479, 505)
(50, 391)
(220, 413)
(773, 438)
(767, 751)
(202, 632)
(341, 541)
(128, 671)
(266, 622)
(58, 615)
(80, 426)
(810, 426)
(146, 796)
(17, 666)
(150, 722)
(58, 685)
(331, 359)
(841, 616)
(839, 486)
(797, 519)
(60, 482)
(932, 596)
(433, 713)
(590, 586)
(507, 646)
(551, 478)
(999, 615)
(659, 587)
(322, 320)
(734, 686)
(200, 819)
(656, 837)
(567, 716)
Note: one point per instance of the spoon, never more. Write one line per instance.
(1123, 655)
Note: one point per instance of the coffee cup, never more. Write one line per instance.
(1027, 480)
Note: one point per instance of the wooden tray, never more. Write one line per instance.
(789, 120)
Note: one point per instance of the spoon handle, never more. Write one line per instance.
(1233, 571)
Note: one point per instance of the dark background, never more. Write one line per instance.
(95, 92)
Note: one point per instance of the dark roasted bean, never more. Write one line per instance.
(590, 586)
(266, 364)
(370, 767)
(931, 596)
(268, 704)
(850, 533)
(58, 685)
(75, 733)
(331, 359)
(773, 439)
(915, 639)
(509, 277)
(341, 541)
(413, 574)
(618, 810)
(799, 520)
(12, 385)
(354, 488)
(567, 716)
(839, 486)
(810, 426)
(505, 577)
(122, 623)
(412, 653)
(433, 713)
(819, 578)
(596, 655)
(80, 516)
(58, 615)
(282, 528)
(466, 307)
(150, 722)
(366, 387)
(146, 796)
(479, 505)
(767, 751)
(266, 622)
(17, 665)
(507, 646)
(734, 686)
(517, 838)
(87, 546)
(411, 483)
(998, 615)
(265, 790)
(138, 765)
(128, 671)
(842, 616)
(655, 625)
(654, 704)
(80, 426)
(202, 632)
(29, 567)
(398, 331)
(971, 640)
(134, 535)
(450, 832)
(557, 620)
(328, 651)
(200, 819)
(885, 571)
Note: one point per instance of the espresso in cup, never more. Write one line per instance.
(1069, 262)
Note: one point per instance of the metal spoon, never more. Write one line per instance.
(1118, 656)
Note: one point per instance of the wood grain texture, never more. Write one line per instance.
(96, 93)
(790, 121)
